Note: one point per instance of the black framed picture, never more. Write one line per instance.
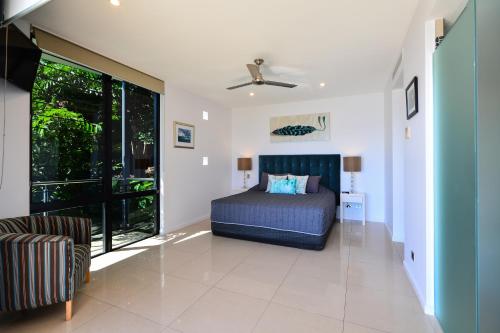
(412, 98)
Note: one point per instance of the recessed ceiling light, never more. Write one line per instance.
(115, 3)
(252, 94)
(322, 84)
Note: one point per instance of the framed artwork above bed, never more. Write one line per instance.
(298, 128)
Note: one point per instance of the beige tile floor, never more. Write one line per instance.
(192, 281)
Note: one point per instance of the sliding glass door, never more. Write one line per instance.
(95, 152)
(133, 157)
(455, 177)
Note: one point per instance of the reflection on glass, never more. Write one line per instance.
(94, 212)
(133, 138)
(67, 132)
(69, 140)
(133, 219)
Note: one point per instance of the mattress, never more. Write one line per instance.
(311, 214)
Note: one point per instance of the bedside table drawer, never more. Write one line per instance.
(352, 198)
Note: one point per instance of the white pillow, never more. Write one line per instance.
(274, 177)
(301, 183)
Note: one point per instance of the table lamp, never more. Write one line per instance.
(352, 164)
(244, 164)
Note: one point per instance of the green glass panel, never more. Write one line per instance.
(488, 147)
(455, 177)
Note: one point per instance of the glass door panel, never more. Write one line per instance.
(455, 177)
(133, 219)
(67, 134)
(134, 133)
(95, 156)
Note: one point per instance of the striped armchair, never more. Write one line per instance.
(43, 261)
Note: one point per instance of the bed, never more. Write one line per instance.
(302, 221)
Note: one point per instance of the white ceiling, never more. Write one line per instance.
(203, 46)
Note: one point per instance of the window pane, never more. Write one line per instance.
(133, 219)
(134, 138)
(94, 212)
(67, 133)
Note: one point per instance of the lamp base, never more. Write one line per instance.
(352, 183)
(245, 180)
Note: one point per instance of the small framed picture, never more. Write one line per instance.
(183, 135)
(412, 98)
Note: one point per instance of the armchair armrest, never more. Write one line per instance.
(35, 270)
(78, 228)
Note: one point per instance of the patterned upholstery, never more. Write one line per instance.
(15, 225)
(75, 227)
(82, 263)
(45, 263)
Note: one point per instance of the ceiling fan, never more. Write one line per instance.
(257, 78)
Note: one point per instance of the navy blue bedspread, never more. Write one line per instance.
(310, 214)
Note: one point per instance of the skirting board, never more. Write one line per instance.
(436, 325)
(428, 309)
(389, 230)
(184, 224)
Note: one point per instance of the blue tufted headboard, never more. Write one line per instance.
(326, 166)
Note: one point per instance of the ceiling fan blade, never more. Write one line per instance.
(254, 71)
(280, 84)
(240, 85)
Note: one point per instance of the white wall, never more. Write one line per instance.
(388, 153)
(416, 167)
(189, 187)
(398, 144)
(14, 193)
(357, 127)
(410, 156)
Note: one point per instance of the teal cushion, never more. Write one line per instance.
(284, 186)
(271, 178)
(301, 183)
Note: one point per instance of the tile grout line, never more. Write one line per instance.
(275, 292)
(210, 288)
(166, 275)
(347, 278)
(111, 307)
(72, 329)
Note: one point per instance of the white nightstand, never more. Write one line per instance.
(353, 198)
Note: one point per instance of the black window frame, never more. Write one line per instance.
(108, 196)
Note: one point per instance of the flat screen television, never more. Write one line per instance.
(22, 60)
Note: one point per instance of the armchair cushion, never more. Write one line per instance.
(14, 225)
(35, 270)
(75, 227)
(82, 263)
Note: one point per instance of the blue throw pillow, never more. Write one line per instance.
(284, 186)
(301, 183)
